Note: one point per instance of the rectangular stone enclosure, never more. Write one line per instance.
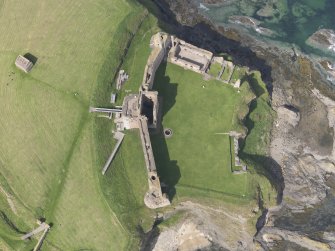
(23, 64)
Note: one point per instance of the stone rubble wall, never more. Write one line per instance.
(159, 44)
(189, 56)
(146, 144)
(154, 198)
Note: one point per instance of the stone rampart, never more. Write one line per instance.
(146, 144)
(159, 44)
(154, 198)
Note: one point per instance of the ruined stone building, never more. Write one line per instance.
(23, 64)
(189, 56)
(159, 44)
(140, 110)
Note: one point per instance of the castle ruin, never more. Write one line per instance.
(189, 56)
(23, 64)
(140, 110)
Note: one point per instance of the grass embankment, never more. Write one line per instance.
(255, 148)
(125, 183)
(47, 162)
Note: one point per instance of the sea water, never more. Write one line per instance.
(293, 21)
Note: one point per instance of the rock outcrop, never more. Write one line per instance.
(323, 39)
(288, 115)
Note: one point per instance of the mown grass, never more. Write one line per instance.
(199, 112)
(125, 183)
(197, 160)
(52, 151)
(46, 159)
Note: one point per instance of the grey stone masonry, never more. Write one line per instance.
(23, 64)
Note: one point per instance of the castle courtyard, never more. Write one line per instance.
(199, 112)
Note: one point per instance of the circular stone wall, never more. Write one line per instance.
(168, 132)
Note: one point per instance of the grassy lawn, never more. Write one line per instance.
(226, 73)
(198, 154)
(215, 69)
(47, 160)
(52, 150)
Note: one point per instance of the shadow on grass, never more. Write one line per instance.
(9, 223)
(168, 170)
(167, 91)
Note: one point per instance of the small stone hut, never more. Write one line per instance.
(23, 64)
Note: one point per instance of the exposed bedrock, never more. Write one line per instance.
(323, 39)
(303, 133)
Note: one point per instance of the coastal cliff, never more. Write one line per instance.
(302, 139)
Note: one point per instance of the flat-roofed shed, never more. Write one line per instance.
(23, 64)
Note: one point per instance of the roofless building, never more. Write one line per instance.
(23, 64)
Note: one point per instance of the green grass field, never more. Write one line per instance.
(52, 150)
(48, 160)
(199, 112)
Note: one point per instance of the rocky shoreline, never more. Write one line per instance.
(302, 144)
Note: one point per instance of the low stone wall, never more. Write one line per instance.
(119, 137)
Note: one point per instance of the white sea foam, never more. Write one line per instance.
(258, 30)
(331, 66)
(201, 6)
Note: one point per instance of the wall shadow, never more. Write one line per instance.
(31, 58)
(167, 91)
(168, 170)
